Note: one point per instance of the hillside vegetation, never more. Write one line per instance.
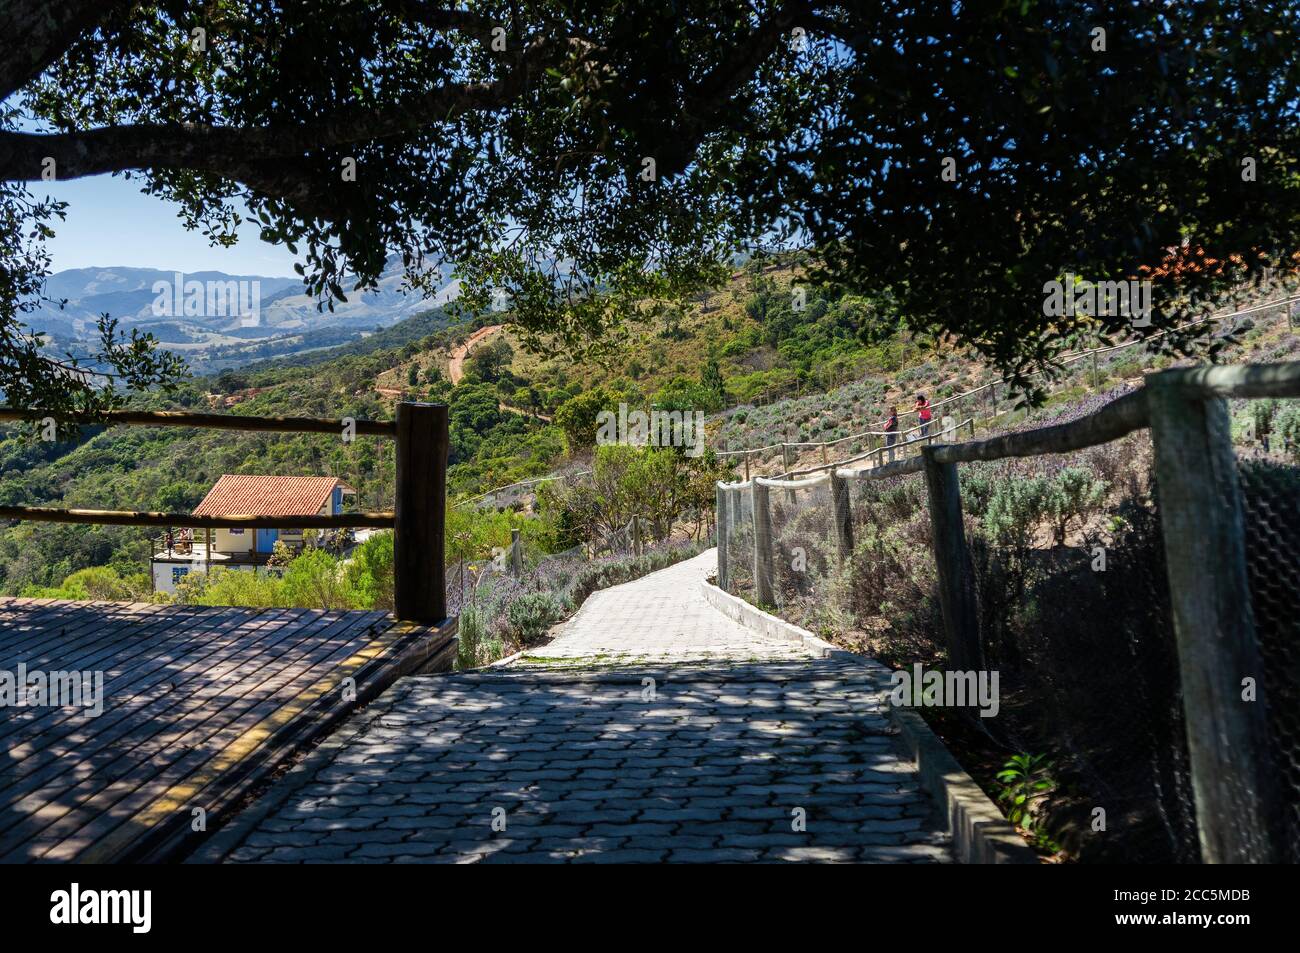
(758, 337)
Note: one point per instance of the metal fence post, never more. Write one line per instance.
(952, 559)
(762, 545)
(1214, 625)
(419, 593)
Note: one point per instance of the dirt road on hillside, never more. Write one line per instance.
(455, 366)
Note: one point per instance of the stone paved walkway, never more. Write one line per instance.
(662, 617)
(653, 729)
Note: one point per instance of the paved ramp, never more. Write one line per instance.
(654, 729)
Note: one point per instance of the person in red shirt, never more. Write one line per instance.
(923, 414)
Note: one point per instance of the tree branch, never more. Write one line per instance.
(222, 150)
(438, 18)
(709, 102)
(34, 33)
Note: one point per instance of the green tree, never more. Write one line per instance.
(577, 417)
(712, 382)
(355, 130)
(315, 580)
(369, 573)
(490, 361)
(473, 412)
(688, 396)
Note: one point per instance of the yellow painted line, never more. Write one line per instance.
(181, 795)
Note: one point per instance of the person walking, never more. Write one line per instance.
(923, 414)
(891, 431)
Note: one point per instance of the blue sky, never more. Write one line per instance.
(111, 222)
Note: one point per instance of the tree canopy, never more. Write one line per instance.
(584, 156)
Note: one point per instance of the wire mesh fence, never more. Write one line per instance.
(1267, 474)
(1074, 615)
(1069, 562)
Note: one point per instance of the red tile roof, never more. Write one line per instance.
(247, 495)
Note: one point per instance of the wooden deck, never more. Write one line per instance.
(199, 705)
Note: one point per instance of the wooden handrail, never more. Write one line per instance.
(52, 514)
(1064, 359)
(1117, 418)
(418, 522)
(184, 418)
(1121, 416)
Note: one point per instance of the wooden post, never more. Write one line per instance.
(746, 466)
(722, 537)
(420, 513)
(952, 559)
(1214, 626)
(786, 463)
(825, 454)
(636, 535)
(843, 516)
(762, 546)
(1096, 371)
(516, 554)
(207, 555)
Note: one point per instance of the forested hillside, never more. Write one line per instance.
(760, 337)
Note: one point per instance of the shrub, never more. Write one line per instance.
(1016, 506)
(98, 583)
(895, 576)
(976, 488)
(474, 647)
(1287, 426)
(315, 579)
(532, 614)
(1072, 494)
(229, 587)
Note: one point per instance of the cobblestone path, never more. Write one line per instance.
(653, 729)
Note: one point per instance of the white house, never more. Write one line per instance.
(179, 553)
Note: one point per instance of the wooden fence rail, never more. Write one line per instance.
(418, 521)
(1204, 540)
(1064, 360)
(185, 418)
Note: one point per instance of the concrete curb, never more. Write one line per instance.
(751, 617)
(980, 834)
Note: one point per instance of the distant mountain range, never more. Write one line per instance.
(220, 320)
